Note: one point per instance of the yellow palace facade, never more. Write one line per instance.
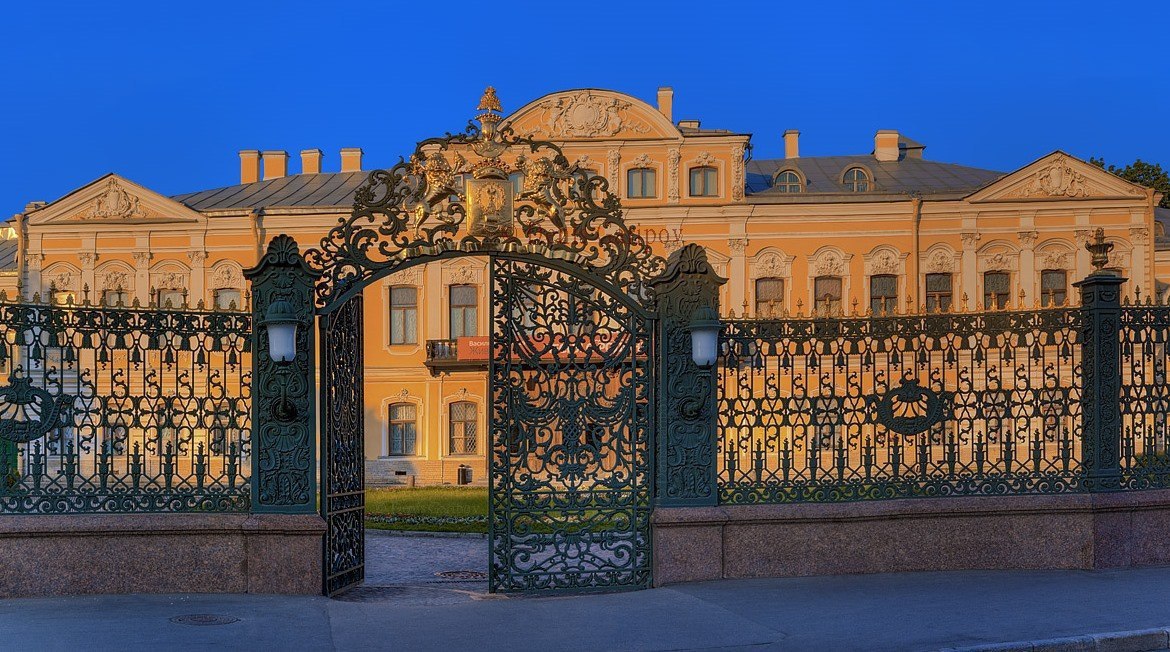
(886, 231)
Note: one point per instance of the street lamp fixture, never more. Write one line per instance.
(281, 321)
(705, 328)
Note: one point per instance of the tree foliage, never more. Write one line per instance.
(1150, 175)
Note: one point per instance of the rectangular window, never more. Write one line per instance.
(704, 182)
(640, 183)
(170, 298)
(997, 290)
(463, 428)
(1053, 287)
(229, 299)
(404, 315)
(769, 297)
(464, 299)
(827, 295)
(938, 292)
(883, 294)
(116, 298)
(402, 429)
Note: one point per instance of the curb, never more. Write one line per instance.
(422, 533)
(1142, 640)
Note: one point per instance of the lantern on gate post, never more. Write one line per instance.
(705, 328)
(281, 321)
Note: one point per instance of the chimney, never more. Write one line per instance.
(792, 144)
(666, 102)
(885, 145)
(351, 159)
(310, 161)
(689, 124)
(249, 165)
(275, 164)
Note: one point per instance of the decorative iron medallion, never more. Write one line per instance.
(26, 412)
(911, 408)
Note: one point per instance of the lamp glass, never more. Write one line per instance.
(705, 345)
(282, 341)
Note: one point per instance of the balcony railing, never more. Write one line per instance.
(458, 354)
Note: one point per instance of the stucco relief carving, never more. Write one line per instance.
(64, 280)
(705, 159)
(35, 261)
(1027, 238)
(585, 115)
(1056, 259)
(674, 156)
(116, 281)
(113, 203)
(829, 263)
(585, 163)
(411, 276)
(613, 158)
(196, 257)
(771, 264)
(970, 240)
(227, 276)
(737, 173)
(87, 258)
(463, 275)
(1083, 236)
(168, 280)
(642, 161)
(1057, 179)
(141, 258)
(1139, 234)
(737, 246)
(940, 261)
(998, 261)
(884, 262)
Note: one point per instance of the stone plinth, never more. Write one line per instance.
(160, 553)
(1075, 531)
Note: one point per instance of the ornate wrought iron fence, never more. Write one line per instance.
(892, 407)
(1145, 396)
(116, 409)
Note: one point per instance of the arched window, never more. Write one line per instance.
(641, 183)
(402, 429)
(404, 315)
(856, 180)
(788, 181)
(704, 182)
(464, 425)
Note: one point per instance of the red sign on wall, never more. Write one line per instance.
(472, 348)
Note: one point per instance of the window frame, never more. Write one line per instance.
(851, 184)
(472, 424)
(785, 186)
(771, 304)
(705, 172)
(937, 295)
(889, 303)
(408, 338)
(1064, 294)
(158, 297)
(129, 299)
(642, 173)
(215, 294)
(1001, 302)
(403, 422)
(834, 308)
(463, 310)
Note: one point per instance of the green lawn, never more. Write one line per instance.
(428, 509)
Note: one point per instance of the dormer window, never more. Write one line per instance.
(788, 181)
(856, 180)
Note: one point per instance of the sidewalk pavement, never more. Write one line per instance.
(910, 611)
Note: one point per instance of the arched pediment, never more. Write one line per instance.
(587, 114)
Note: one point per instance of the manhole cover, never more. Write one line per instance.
(203, 619)
(466, 575)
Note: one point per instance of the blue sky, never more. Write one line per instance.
(167, 93)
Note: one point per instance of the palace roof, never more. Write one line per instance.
(822, 178)
(296, 190)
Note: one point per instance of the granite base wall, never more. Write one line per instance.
(160, 553)
(1079, 531)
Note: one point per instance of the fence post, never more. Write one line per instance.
(283, 419)
(1101, 371)
(686, 450)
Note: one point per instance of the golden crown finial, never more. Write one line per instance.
(489, 101)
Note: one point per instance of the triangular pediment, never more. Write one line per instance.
(114, 199)
(1058, 176)
(590, 114)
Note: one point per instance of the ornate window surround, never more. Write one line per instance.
(886, 260)
(463, 394)
(704, 160)
(771, 262)
(642, 161)
(830, 261)
(420, 441)
(412, 276)
(465, 271)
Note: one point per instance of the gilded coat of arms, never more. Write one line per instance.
(489, 206)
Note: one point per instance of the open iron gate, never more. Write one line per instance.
(572, 388)
(342, 451)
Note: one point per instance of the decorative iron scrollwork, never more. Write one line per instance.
(419, 209)
(910, 408)
(27, 412)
